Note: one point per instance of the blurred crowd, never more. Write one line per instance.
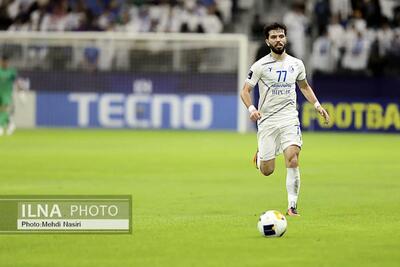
(354, 36)
(348, 36)
(204, 16)
(358, 36)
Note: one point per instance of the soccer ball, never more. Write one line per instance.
(272, 223)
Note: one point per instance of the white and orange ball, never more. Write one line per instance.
(272, 223)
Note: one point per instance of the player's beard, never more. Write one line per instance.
(278, 51)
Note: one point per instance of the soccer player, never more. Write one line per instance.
(277, 118)
(7, 78)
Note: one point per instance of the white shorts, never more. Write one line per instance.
(273, 140)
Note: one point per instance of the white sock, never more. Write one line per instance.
(258, 160)
(292, 186)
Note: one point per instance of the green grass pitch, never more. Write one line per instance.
(197, 198)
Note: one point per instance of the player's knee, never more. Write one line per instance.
(267, 170)
(293, 162)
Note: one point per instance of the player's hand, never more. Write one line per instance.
(255, 115)
(323, 113)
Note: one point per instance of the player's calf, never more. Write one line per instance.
(292, 156)
(293, 162)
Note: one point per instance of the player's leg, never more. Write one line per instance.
(5, 101)
(267, 167)
(3, 114)
(291, 154)
(268, 139)
(11, 125)
(3, 120)
(291, 145)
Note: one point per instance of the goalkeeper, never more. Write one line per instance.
(7, 78)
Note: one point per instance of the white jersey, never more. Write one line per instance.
(277, 85)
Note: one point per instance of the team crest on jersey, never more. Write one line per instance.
(291, 69)
(249, 75)
(270, 69)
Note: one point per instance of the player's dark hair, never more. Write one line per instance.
(4, 57)
(274, 26)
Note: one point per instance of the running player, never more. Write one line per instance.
(277, 118)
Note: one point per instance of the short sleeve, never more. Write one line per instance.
(254, 75)
(302, 71)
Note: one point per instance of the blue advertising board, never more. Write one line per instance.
(147, 111)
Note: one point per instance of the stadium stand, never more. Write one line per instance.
(346, 36)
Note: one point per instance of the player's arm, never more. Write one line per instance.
(246, 98)
(308, 93)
